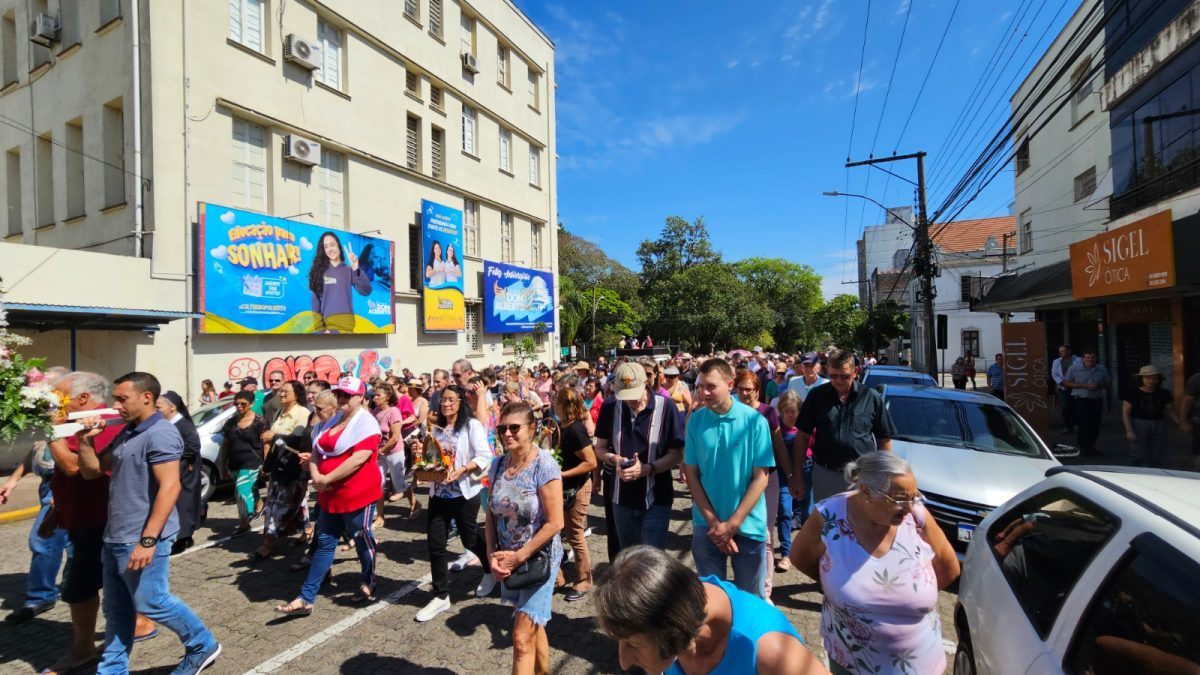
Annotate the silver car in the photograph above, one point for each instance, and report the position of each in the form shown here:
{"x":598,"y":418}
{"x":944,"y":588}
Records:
{"x":209,"y":420}
{"x":969,"y":450}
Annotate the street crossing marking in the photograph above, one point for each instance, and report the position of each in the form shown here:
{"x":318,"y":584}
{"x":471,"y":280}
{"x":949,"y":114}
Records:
{"x":283,"y":658}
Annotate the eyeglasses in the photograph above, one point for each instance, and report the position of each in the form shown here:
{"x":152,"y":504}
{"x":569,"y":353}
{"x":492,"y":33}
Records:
{"x":510,"y":429}
{"x":276,"y":381}
{"x":747,"y":390}
{"x":901,"y":503}
{"x":841,"y":376}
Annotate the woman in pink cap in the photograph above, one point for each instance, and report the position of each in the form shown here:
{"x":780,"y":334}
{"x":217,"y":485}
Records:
{"x":345,"y":474}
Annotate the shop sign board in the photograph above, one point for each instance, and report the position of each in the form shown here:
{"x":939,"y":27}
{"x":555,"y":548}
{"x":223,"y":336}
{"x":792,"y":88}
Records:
{"x":442,"y":268}
{"x":1137,"y":257}
{"x":1027,"y":372}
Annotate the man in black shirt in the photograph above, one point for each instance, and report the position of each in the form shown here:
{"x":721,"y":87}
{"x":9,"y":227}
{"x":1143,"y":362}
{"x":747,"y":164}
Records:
{"x":848,"y":419}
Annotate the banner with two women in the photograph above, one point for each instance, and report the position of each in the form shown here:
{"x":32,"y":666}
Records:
{"x":442,"y":267}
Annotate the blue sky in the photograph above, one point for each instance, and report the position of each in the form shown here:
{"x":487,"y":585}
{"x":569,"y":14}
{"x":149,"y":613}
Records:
{"x":741,"y":113}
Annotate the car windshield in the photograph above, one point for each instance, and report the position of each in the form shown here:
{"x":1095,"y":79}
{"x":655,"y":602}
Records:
{"x":987,"y":427}
{"x":205,"y":414}
{"x":876,"y":380}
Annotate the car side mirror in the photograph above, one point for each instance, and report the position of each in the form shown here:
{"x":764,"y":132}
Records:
{"x":1061,"y":450}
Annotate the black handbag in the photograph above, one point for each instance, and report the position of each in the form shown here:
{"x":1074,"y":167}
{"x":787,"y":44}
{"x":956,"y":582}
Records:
{"x":569,"y":498}
{"x":532,"y":572}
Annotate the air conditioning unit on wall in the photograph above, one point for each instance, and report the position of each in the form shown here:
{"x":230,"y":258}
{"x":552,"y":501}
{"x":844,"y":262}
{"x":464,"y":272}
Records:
{"x":302,"y":52}
{"x":301,"y":150}
{"x":470,"y":63}
{"x":44,"y":30}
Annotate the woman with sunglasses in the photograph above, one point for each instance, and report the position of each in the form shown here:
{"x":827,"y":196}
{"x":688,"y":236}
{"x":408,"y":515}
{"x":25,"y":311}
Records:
{"x":242,"y":447}
{"x":393,"y":413}
{"x":524,"y":517}
{"x":285,"y":508}
{"x":345,"y":474}
{"x":456,"y":498}
{"x":879,"y":529}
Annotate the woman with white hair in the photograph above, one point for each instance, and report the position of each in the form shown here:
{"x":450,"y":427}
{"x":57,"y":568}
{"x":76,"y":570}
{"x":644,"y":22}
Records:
{"x":881,"y":560}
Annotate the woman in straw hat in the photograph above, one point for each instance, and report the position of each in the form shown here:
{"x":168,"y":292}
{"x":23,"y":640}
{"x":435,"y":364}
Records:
{"x":1145,"y":410}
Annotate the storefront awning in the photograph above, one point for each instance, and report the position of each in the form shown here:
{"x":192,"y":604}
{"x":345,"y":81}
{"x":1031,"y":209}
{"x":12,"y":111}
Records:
{"x":41,"y":318}
{"x":1040,"y":288}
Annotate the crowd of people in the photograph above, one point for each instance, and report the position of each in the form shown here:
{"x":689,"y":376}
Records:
{"x":785,"y":458}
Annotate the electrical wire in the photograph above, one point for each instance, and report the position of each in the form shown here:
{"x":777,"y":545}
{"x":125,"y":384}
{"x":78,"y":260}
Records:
{"x":928,"y":72}
{"x":862,"y":59}
{"x":891,"y":78}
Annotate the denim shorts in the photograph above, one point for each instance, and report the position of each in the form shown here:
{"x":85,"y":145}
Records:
{"x":535,"y":602}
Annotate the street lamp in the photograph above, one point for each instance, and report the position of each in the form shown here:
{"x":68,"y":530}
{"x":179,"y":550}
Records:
{"x":835,"y":193}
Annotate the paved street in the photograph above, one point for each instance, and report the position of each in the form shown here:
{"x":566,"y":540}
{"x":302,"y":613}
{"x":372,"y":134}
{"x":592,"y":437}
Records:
{"x":235,"y":598}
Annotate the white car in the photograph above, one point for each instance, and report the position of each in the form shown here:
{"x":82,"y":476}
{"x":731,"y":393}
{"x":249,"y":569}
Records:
{"x":969,"y":451}
{"x":1093,"y":570}
{"x":208,"y":420}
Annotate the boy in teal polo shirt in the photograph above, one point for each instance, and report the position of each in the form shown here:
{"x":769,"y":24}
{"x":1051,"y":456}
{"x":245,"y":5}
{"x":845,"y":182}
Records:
{"x":726,"y":455}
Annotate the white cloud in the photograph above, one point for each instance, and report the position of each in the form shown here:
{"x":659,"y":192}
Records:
{"x":733,"y":64}
{"x":220,"y":253}
{"x":903,"y":8}
{"x":227,"y":217}
{"x":687,"y":129}
{"x":305,"y":244}
{"x":293,"y":270}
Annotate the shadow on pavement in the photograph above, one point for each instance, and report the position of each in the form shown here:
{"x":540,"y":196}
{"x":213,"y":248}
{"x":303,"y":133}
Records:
{"x":28,"y":641}
{"x":376,"y":663}
{"x":789,"y":596}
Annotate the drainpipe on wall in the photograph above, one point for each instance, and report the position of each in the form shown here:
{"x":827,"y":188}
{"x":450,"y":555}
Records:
{"x":138,"y":201}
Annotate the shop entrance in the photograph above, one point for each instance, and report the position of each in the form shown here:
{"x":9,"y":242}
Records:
{"x":1133,"y":352}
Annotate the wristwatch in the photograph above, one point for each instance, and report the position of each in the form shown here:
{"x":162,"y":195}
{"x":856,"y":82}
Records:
{"x":149,"y":542}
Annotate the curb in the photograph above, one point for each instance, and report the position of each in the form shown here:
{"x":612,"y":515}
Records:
{"x":19,"y":514}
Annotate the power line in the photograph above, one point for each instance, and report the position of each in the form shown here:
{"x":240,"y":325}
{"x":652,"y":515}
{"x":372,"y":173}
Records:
{"x":858,"y":80}
{"x":891,"y":78}
{"x":10,"y":122}
{"x":928,"y":72}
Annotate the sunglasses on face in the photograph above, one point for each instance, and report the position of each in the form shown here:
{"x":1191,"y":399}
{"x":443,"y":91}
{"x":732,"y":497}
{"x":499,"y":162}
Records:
{"x":511,"y":429}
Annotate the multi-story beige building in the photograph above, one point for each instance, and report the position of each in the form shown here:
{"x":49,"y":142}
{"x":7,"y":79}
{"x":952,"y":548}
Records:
{"x":117,"y":119}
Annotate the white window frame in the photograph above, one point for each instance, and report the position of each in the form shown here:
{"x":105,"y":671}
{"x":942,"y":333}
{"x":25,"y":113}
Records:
{"x":535,"y":244}
{"x":534,"y":89}
{"x":506,"y":237}
{"x":535,"y":160}
{"x":244,"y":161}
{"x":331,"y":184}
{"x":503,"y":68}
{"x":473,"y":327}
{"x":241,"y":17}
{"x":470,"y":119}
{"x":505,"y":150}
{"x":412,"y":10}
{"x":330,"y":72}
{"x":437,"y":152}
{"x":436,"y":18}
{"x":1025,"y":223}
{"x":466,"y":34}
{"x":471,"y":227}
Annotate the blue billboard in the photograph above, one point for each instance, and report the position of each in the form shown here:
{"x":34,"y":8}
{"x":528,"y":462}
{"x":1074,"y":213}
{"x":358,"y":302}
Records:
{"x":516,"y":299}
{"x":260,"y":274}
{"x":441,"y":257}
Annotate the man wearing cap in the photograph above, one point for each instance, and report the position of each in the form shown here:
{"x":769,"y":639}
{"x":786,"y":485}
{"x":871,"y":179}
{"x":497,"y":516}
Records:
{"x":809,"y":377}
{"x":1087,"y":381}
{"x":727,"y":455}
{"x":639,"y":438}
{"x":845,"y":420}
{"x":250,"y":384}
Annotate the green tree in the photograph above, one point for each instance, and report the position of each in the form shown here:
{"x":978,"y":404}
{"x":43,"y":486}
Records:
{"x":525,"y":349}
{"x":574,"y":307}
{"x":791,"y":291}
{"x":680,"y":246}
{"x":614,"y":320}
{"x":704,"y":306}
{"x":838,"y":321}
{"x":588,"y":266}
{"x":882,"y":323}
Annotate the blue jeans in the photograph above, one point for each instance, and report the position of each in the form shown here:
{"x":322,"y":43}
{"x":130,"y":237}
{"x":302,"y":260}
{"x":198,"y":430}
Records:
{"x":802,"y":504}
{"x":145,"y":592}
{"x":1150,"y":448}
{"x":330,"y":527}
{"x":647,"y":527}
{"x":749,"y":563}
{"x":783,"y":520}
{"x":42,"y":584}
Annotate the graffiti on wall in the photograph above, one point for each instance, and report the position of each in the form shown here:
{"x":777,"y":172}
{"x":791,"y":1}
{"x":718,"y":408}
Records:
{"x":366,"y":365}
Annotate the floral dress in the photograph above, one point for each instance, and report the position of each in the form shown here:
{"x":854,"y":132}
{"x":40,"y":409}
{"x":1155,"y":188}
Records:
{"x":880,"y":614}
{"x":518,"y":514}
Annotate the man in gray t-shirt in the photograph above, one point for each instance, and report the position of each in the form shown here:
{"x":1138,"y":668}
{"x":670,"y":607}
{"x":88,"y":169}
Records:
{"x":142,"y":524}
{"x":1088,"y":381}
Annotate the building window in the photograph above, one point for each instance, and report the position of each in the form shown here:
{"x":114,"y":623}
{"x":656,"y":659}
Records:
{"x":74,"y":155}
{"x":505,"y":147}
{"x":468,"y":130}
{"x":535,"y":244}
{"x":332,"y":182}
{"x":474,"y":310}
{"x":471,"y":227}
{"x":1022,"y":157}
{"x":68,"y":21}
{"x":964,"y":287}
{"x":43,"y":159}
{"x":330,"y":73}
{"x":1083,"y":84}
{"x":412,"y":83}
{"x":113,"y":141}
{"x":466,"y":36}
{"x":8,"y":45}
{"x":970,"y":342}
{"x":1026,"y":231}
{"x":1085,"y":184}
{"x":414,"y":257}
{"x":412,"y":9}
{"x":435,"y":17}
{"x":12,"y":176}
{"x":38,"y":55}
{"x":110,"y":10}
{"x":534,"y":98}
{"x":246,"y":23}
{"x":436,"y":98}
{"x":412,"y":156}
{"x":250,"y":165}
{"x":506,"y":237}
{"x":535,"y":158}
{"x":502,"y":69}
{"x":437,"y":149}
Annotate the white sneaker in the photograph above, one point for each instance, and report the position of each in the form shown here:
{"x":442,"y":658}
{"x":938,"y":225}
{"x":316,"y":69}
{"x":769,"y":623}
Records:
{"x":570,"y":555}
{"x":436,"y":606}
{"x":486,"y":585}
{"x":463,"y":561}
{"x":587,"y":532}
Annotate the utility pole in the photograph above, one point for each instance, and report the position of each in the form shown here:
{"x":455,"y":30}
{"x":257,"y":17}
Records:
{"x":922,"y":258}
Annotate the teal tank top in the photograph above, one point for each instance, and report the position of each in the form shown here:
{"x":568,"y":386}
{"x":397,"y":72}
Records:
{"x":752,"y":619}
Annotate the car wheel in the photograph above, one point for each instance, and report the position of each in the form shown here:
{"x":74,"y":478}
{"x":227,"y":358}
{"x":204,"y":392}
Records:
{"x":964,"y":659}
{"x":208,"y":484}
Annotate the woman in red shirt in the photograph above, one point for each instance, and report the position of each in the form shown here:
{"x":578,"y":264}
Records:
{"x":345,"y":474}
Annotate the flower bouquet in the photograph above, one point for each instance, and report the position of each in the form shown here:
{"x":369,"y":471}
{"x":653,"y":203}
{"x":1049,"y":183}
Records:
{"x":27,"y":400}
{"x":435,"y":463}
